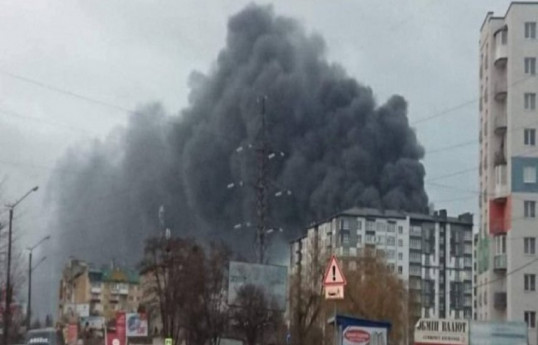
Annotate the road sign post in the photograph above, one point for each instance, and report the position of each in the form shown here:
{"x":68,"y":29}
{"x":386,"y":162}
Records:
{"x":334,"y":283}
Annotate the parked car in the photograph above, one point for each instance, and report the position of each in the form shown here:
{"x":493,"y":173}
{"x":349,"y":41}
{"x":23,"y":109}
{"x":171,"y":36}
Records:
{"x":44,"y":336}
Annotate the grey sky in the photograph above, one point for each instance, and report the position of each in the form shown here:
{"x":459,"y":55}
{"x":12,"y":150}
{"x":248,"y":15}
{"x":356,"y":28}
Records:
{"x":130,"y":52}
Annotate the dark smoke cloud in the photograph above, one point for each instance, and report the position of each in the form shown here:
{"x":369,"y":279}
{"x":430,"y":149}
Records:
{"x":341,"y":150}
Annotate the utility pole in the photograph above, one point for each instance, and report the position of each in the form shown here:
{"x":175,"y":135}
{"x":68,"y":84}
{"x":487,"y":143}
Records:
{"x":7,"y":305}
{"x":30,"y":270}
{"x":29,"y":306}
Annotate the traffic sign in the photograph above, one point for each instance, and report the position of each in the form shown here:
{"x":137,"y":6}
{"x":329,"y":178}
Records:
{"x":333,"y":274}
{"x":168,"y":341}
{"x":334,"y":292}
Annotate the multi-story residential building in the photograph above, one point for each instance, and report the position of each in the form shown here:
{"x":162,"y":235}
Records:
{"x":89,"y":291}
{"x":506,"y":280}
{"x":431,"y":253}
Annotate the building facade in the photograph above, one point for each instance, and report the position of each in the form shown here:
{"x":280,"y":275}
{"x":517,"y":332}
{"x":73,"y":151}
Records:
{"x":432,"y":254}
{"x":87,"y":291}
{"x":508,"y":167}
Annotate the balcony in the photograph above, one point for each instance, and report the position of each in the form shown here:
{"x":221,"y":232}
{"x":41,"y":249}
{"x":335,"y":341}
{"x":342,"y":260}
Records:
{"x":499,"y":300}
{"x":501,"y":55}
{"x":114,"y":299}
{"x":499,"y":263}
{"x":501,"y":185}
{"x":499,"y":158}
{"x":500,"y":124}
{"x":95,"y":289}
{"x":500,"y":90}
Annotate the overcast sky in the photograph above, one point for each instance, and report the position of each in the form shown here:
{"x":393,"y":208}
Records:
{"x":129,"y":52}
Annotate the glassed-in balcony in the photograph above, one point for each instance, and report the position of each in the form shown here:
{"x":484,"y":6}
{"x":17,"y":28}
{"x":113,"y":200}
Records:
{"x":501,"y":185}
{"x":500,"y":124}
{"x":499,"y":300}
{"x":501,"y":48}
{"x":501,"y":89}
{"x":499,"y":262}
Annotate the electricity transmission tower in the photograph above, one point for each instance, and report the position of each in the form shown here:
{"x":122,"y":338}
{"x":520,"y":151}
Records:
{"x":262,"y":185}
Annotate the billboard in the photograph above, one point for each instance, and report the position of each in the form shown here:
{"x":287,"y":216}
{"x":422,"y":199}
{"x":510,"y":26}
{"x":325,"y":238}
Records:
{"x":83,"y":310}
{"x":354,"y":331}
{"x":136,"y":325}
{"x":441,"y":332}
{"x":271,"y":279}
{"x":362,"y":335}
{"x":498,"y":333}
{"x":94,"y":322}
{"x":120,"y":329}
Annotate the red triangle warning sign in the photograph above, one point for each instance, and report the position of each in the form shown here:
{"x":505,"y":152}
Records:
{"x":333,"y":274}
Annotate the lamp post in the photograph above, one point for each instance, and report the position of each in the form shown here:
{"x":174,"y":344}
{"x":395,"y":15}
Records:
{"x":30,"y":269}
{"x":7,"y":306}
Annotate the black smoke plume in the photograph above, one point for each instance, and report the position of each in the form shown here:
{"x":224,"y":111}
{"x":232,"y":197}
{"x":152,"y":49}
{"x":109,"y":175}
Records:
{"x":340,"y":149}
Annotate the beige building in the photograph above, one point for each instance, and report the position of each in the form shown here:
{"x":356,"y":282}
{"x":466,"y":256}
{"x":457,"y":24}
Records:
{"x":86,"y":291}
{"x":432,"y":254}
{"x":505,"y":282}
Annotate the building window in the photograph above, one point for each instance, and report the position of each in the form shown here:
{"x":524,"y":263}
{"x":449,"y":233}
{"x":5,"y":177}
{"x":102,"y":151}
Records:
{"x":529,"y":175}
{"x":400,"y":229}
{"x":530,"y":65}
{"x":359,"y":239}
{"x":345,"y":237}
{"x":370,"y":225}
{"x":381,"y":226}
{"x":530,"y":319}
{"x":530,"y":101}
{"x":530,"y":282}
{"x":400,"y":270}
{"x":359,"y":224}
{"x":344,"y":224}
{"x":400,"y":243}
{"x":391,"y":227}
{"x":400,"y":256}
{"x":529,"y":245}
{"x":530,"y":30}
{"x":529,"y":136}
{"x":391,"y":254}
{"x":529,"y":209}
{"x":391,"y":241}
{"x":500,"y":244}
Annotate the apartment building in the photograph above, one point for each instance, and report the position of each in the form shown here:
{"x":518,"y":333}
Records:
{"x":87,"y":291}
{"x":506,"y":281}
{"x":431,"y":253}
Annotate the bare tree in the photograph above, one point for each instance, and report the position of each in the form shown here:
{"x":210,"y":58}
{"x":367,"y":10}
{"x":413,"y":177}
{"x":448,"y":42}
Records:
{"x":373,"y":292}
{"x":306,"y":297}
{"x":255,"y":317}
{"x":187,"y":289}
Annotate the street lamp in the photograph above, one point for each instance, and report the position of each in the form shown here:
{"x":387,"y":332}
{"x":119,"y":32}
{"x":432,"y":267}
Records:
{"x":30,"y":269}
{"x":7,"y":306}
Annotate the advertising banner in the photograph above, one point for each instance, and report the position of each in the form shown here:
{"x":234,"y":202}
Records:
{"x":137,"y":325}
{"x":498,"y":333}
{"x":441,"y":332}
{"x":361,"y":335}
{"x":121,"y":330}
{"x":72,"y":334}
{"x":354,"y":331}
{"x":271,"y":279}
{"x":83,"y":310}
{"x":93,"y":322}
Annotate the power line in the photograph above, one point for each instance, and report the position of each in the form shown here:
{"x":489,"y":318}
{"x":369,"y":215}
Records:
{"x":66,"y":92}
